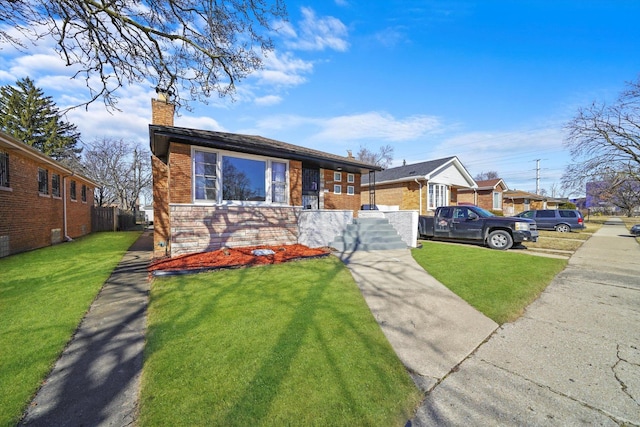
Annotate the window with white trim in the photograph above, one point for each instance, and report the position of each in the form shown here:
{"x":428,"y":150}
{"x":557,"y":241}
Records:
{"x":351,"y":178}
{"x":55,"y":185}
{"x":205,"y":175}
{"x":83,"y":193}
{"x":337,"y":176}
{"x":438,"y":195}
{"x":497,"y":200}
{"x":337,"y":189}
{"x":72,"y":190}
{"x":278,"y":182}
{"x":4,"y":169}
{"x":43,"y":181}
{"x":351,"y":190}
{"x":221,"y":177}
{"x":243,"y":179}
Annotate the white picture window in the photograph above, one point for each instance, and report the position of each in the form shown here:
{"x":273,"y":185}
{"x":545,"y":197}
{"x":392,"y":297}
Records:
{"x":337,"y":189}
{"x":497,"y":200}
{"x":438,"y":195}
{"x":226,"y":177}
{"x":337,"y":176}
{"x":351,"y":190}
{"x":351,"y":178}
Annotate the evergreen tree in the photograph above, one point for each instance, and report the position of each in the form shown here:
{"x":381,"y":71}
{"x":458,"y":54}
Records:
{"x":33,"y":118}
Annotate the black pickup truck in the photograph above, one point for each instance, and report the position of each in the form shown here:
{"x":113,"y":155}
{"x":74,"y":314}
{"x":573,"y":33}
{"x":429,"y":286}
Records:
{"x":474,"y":224}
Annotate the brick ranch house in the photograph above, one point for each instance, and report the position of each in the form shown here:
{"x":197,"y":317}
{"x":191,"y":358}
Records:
{"x":420,"y":186}
{"x":216,"y":189}
{"x":488,"y":195}
{"x":42,"y":202}
{"x":516,"y":201}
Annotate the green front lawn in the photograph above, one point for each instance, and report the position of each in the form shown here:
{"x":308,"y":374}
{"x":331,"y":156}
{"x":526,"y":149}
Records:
{"x":289,"y":344}
{"x":43,"y":296}
{"x":499,"y":284}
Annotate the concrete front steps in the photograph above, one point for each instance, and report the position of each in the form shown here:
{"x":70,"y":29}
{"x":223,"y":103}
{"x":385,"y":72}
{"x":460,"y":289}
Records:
{"x":368,"y":234}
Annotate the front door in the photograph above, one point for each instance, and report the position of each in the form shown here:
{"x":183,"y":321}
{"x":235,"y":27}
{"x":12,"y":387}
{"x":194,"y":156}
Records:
{"x":310,"y":188}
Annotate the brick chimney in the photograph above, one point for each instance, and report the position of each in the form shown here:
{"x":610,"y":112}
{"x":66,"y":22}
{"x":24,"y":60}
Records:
{"x":162,"y":109}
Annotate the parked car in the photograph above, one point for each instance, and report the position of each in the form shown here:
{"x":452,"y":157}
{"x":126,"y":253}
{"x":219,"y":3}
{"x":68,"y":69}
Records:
{"x":635,"y":230}
{"x":562,"y":220}
{"x":369,"y":207}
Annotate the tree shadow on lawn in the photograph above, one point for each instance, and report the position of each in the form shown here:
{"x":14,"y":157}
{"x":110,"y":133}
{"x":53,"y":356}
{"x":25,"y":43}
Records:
{"x":254,"y":398}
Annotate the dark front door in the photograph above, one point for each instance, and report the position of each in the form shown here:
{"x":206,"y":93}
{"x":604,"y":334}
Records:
{"x":310,"y":188}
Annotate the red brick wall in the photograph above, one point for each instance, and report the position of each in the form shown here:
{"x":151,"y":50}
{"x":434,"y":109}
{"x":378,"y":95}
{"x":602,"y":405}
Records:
{"x":180,"y":173}
{"x":343,"y":200}
{"x":295,"y":183}
{"x":28,"y":218}
{"x":162,"y":113}
{"x":160,"y":172}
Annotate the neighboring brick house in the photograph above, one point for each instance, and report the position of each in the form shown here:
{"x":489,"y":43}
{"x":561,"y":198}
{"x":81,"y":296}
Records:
{"x":215,"y":189}
{"x":516,"y":201}
{"x":42,"y":202}
{"x":419,"y":186}
{"x":488,"y":195}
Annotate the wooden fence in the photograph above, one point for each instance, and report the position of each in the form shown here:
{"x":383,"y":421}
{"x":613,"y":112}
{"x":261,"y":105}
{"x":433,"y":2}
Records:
{"x":111,"y":219}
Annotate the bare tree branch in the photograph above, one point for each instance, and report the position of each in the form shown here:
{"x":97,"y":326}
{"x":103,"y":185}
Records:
{"x":604,"y":140}
{"x":192,"y":48}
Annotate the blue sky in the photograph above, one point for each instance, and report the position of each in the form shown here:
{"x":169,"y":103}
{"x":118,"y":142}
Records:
{"x":492,"y":82}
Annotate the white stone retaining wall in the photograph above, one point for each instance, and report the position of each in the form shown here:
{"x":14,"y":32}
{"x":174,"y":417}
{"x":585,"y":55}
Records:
{"x":319,"y":227}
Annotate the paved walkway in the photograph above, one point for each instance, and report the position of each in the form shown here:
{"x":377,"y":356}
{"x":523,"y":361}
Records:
{"x":96,"y":380}
{"x":430,"y":328}
{"x":572,"y":359}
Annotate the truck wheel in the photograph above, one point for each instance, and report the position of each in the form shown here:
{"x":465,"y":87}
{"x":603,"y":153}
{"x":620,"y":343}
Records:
{"x":500,"y":240}
{"x":563,"y":228}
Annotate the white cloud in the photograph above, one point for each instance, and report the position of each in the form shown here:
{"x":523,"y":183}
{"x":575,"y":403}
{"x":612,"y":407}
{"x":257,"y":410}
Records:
{"x":269,"y":100}
{"x":317,"y":33}
{"x":283,"y":70}
{"x":390,"y":37}
{"x":378,"y":126}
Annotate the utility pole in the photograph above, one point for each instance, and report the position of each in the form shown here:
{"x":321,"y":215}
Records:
{"x":537,"y":176}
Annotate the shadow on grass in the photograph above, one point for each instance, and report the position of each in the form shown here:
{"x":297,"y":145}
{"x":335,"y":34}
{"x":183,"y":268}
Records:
{"x":252,"y":398}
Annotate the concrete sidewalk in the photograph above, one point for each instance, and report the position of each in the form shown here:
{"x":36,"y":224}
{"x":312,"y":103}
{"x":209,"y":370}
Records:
{"x":430,"y":328}
{"x":96,"y":380}
{"x":572,"y":359}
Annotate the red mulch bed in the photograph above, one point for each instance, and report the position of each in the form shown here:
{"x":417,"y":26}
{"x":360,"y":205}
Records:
{"x":236,"y":257}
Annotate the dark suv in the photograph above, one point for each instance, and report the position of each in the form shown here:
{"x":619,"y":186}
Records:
{"x":562,"y":220}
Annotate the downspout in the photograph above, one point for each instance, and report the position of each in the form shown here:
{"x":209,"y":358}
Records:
{"x":419,"y":195}
{"x":64,"y":206}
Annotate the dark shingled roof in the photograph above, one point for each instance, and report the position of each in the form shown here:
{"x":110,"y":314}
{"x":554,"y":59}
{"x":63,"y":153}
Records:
{"x":160,"y":136}
{"x":408,"y":172}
